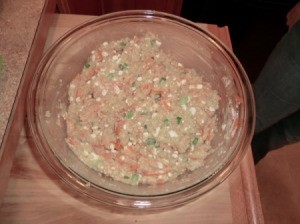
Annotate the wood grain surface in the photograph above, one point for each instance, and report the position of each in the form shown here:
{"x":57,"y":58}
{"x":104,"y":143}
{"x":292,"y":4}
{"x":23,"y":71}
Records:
{"x":36,"y":195}
{"x":32,"y":25}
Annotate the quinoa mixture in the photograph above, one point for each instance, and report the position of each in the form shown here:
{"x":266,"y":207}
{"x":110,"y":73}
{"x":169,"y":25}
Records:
{"x":138,"y":116}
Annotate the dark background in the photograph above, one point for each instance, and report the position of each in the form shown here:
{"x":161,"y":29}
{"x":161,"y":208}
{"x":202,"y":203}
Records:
{"x":255,"y":26}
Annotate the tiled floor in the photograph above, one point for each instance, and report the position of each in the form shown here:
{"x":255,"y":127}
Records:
{"x":278,"y":176}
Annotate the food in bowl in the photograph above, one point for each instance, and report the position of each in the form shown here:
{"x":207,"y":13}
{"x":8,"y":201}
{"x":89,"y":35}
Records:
{"x":210,"y":67}
{"x":137,"y":115}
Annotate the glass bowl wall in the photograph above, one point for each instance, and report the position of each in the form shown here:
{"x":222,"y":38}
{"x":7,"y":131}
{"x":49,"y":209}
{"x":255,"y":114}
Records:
{"x":185,"y":42}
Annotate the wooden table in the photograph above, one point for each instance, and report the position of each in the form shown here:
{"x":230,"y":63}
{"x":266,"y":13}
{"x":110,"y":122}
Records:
{"x":36,"y":195}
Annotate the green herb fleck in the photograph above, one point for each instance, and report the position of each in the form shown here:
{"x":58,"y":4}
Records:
{"x":129,"y":115}
{"x":162,"y":79}
{"x":135,"y":177}
{"x":133,"y":84}
{"x":150,"y":141}
{"x":152,"y":41}
{"x":183,"y":100}
{"x":96,"y":163}
{"x":145,"y":126}
{"x":195,"y":141}
{"x":157,"y":145}
{"x":122,"y":43}
{"x":87,"y":65}
{"x":184,"y":158}
{"x":1,"y":63}
{"x":157,"y":97}
{"x":166,"y":122}
{"x":144,"y":113}
{"x":111,"y":75}
{"x":178,"y":120}
{"x":123,"y":66}
{"x":126,"y":177}
{"x":78,"y":124}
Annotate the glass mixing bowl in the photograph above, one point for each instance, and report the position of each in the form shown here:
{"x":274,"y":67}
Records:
{"x":186,"y":43}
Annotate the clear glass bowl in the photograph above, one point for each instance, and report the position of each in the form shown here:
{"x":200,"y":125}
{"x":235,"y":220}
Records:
{"x":185,"y":42}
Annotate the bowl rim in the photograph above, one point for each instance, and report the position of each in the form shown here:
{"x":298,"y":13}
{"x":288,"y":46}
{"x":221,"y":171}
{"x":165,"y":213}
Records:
{"x":142,"y":201}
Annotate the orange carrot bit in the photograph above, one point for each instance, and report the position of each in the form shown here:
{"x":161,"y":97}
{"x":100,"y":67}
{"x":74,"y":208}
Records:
{"x":206,"y":134}
{"x":83,"y":134}
{"x":79,"y":92}
{"x":134,"y":167}
{"x":103,"y":154}
{"x":159,"y":181}
{"x":236,"y":123}
{"x":100,"y":150}
{"x":90,"y":74}
{"x":132,"y":106}
{"x":146,"y":88}
{"x":125,"y":161}
{"x":157,"y":91}
{"x":118,"y":127}
{"x":201,"y":129}
{"x":70,"y":141}
{"x":118,"y":145}
{"x":238,"y":99}
{"x":198,"y":93}
{"x":132,"y":150}
{"x":127,"y":79}
{"x":71,"y":125}
{"x":155,"y":172}
{"x":206,"y":84}
{"x":97,"y":145}
{"x":78,"y":77}
{"x":209,"y":135}
{"x":100,"y":57}
{"x":166,"y":104}
{"x":193,"y":157}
